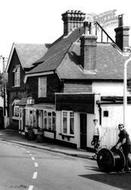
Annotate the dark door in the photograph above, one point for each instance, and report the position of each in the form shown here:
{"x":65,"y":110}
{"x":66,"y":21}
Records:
{"x":83,"y":131}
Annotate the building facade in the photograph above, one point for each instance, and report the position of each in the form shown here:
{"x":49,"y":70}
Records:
{"x":21,"y":59}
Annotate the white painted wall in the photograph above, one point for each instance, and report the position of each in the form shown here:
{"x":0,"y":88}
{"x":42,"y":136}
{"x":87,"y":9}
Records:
{"x":110,"y":123}
{"x":109,"y":133}
{"x":108,"y":88}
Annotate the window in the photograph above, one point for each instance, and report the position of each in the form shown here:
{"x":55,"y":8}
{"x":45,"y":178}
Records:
{"x":53,"y":121}
{"x":30,"y":100}
{"x":16,"y":76}
{"x":42,"y":87}
{"x":71,"y":123}
{"x":49,"y":120}
{"x":40,"y":118}
{"x":15,"y":109}
{"x":106,"y":113}
{"x":68,"y":122}
{"x":45,"y":119}
{"x":65,"y":122}
{"x":31,"y":119}
{"x":27,"y":115}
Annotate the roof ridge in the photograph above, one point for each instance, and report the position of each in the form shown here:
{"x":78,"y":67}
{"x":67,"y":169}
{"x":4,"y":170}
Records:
{"x":21,"y":43}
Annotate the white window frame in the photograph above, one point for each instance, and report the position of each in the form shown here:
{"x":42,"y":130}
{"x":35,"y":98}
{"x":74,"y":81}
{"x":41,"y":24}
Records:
{"x":51,"y":117}
{"x":45,"y":119}
{"x":16,"y":111}
{"x":15,"y":107}
{"x":42,"y":87}
{"x":40,"y":118}
{"x":27,"y":121}
{"x":31,"y":119}
{"x":68,"y":122}
{"x":16,"y":73}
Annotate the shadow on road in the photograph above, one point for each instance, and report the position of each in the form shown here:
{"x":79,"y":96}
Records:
{"x":118,"y":180}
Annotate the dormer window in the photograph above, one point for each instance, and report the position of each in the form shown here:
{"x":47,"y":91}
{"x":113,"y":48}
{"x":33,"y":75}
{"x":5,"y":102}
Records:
{"x":16,"y":76}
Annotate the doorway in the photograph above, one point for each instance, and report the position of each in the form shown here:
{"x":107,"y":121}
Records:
{"x":83,"y":130}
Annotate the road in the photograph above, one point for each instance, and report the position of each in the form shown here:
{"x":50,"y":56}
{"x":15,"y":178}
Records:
{"x":34,"y":169}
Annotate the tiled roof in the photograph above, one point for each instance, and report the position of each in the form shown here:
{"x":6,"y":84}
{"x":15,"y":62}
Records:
{"x":29,"y":53}
{"x":64,"y":57}
{"x":109,"y":64}
{"x":52,"y":59}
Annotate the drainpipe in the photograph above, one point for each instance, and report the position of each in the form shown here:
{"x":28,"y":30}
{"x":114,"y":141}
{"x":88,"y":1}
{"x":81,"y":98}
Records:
{"x":100,"y":112}
{"x":125,"y":91}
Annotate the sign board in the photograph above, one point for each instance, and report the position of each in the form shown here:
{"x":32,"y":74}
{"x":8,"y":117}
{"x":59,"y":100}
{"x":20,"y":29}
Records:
{"x":108,"y":20}
{"x":75,"y":102}
{"x":105,"y":19}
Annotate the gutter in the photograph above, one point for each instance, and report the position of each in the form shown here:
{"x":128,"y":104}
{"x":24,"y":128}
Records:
{"x":37,"y":74}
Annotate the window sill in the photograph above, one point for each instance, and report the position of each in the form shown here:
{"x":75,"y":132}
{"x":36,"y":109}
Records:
{"x":40,"y":97}
{"x":15,"y":86}
{"x":66,"y":136}
{"x":15,"y":118}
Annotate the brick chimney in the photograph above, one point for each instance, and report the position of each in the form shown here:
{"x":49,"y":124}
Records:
{"x":122,"y":34}
{"x":88,"y":47}
{"x":72,"y":19}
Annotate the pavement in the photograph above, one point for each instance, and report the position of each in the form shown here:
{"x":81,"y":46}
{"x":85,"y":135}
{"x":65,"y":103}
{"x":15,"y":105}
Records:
{"x":13,"y":136}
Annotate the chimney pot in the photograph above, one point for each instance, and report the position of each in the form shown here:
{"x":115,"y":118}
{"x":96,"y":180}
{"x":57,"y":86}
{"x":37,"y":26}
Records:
{"x":72,"y":19}
{"x":120,"y":20}
{"x":122,"y":34}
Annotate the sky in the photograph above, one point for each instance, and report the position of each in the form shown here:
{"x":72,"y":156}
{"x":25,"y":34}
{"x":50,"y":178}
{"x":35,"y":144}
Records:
{"x":39,"y":21}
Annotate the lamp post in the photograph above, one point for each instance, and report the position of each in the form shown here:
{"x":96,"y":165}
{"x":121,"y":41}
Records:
{"x":125,"y":90}
{"x":4,"y":86}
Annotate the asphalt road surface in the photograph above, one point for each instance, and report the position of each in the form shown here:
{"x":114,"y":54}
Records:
{"x":34,"y":169}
